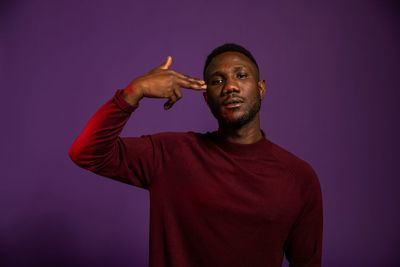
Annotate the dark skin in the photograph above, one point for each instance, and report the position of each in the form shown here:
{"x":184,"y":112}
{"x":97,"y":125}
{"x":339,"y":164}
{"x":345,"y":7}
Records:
{"x":233,"y":89}
{"x":161,"y":82}
{"x":233,"y":92}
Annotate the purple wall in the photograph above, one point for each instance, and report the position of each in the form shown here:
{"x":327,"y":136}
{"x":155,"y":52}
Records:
{"x":332,"y":69}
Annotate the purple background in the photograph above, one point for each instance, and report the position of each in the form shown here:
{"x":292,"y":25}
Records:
{"x":332,"y":69}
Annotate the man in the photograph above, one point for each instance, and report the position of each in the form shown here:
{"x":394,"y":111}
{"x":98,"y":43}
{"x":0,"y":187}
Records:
{"x":226,"y":198}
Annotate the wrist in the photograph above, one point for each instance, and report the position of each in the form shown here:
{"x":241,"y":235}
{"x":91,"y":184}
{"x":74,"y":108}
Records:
{"x":132,"y":94}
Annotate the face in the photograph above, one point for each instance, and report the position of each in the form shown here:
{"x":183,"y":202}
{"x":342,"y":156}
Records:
{"x":234,"y":92}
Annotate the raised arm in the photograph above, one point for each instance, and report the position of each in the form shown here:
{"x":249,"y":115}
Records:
{"x":99,"y":147}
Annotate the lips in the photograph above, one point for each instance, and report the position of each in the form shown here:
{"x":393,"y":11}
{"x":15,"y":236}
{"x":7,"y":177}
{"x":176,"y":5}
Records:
{"x":232,"y":102}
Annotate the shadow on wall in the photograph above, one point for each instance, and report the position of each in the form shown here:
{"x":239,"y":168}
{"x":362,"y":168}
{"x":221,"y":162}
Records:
{"x":5,"y":6}
{"x":50,"y":241}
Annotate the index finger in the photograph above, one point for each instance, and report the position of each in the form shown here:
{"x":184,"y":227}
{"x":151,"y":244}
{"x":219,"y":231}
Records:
{"x":191,"y":83}
{"x":187,"y":77}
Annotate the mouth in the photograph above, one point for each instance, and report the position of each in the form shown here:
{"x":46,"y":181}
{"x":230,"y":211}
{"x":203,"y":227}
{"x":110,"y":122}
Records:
{"x":232,"y":102}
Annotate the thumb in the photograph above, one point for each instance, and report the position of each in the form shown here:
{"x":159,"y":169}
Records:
{"x":167,"y":63}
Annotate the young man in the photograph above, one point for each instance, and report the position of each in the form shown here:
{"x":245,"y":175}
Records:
{"x":226,"y":198}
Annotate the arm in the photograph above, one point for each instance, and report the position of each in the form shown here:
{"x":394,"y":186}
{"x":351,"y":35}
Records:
{"x":100,"y":149}
{"x":304,"y":244}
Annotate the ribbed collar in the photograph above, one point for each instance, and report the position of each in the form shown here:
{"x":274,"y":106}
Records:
{"x":242,"y":150}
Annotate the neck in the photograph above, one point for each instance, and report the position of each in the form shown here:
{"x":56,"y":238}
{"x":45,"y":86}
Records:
{"x":246,"y":134}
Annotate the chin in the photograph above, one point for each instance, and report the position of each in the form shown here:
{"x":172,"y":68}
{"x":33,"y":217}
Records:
{"x":236,"y":122}
{"x":236,"y":117}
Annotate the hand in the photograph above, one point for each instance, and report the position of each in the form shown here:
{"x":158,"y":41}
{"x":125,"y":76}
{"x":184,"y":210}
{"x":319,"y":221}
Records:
{"x":161,"y":82}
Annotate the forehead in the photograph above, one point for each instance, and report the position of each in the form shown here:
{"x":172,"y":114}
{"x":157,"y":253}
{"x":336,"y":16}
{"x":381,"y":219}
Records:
{"x":228,"y":61}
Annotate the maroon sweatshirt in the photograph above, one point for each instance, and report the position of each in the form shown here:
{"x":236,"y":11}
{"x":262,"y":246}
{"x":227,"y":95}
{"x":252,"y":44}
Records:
{"x":212,"y":203}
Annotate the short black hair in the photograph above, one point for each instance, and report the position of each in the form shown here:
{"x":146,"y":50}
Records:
{"x":228,"y":47}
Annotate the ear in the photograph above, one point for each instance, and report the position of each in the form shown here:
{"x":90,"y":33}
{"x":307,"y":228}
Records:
{"x":262,"y":87}
{"x":205,"y":97}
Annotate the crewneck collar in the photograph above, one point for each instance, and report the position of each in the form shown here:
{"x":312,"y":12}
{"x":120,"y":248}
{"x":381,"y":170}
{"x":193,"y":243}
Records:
{"x":242,"y":150}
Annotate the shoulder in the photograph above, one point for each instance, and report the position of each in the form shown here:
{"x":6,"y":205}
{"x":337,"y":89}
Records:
{"x":303,"y":175}
{"x":300,"y":169}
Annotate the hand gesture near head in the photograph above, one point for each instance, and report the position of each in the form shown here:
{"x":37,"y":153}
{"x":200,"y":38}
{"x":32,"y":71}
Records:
{"x":161,"y":82}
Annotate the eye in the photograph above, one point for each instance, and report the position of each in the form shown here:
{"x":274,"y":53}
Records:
{"x":216,"y":81}
{"x":242,"y":75}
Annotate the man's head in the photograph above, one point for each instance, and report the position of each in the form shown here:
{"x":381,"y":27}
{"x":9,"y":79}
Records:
{"x":229,"y":47}
{"x":234,"y":91}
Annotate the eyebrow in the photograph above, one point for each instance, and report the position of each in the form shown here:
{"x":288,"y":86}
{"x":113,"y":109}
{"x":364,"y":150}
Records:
{"x":219,"y":73}
{"x":216,"y":73}
{"x":239,"y":68}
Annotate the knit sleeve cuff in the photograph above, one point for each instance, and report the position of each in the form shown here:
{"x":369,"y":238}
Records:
{"x":122,"y":104}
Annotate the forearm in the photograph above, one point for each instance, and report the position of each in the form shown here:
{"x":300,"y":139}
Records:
{"x":98,"y":143}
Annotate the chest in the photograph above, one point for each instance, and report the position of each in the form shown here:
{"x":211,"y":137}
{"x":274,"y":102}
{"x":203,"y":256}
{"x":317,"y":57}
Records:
{"x":220,"y":187}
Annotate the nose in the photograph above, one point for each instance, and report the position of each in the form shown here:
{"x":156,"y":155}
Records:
{"x":230,"y":86}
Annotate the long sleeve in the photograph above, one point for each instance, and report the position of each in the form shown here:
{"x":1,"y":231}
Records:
{"x":304,"y":244}
{"x":100,"y":149}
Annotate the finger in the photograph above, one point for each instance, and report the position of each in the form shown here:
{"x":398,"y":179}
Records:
{"x":187,"y":77}
{"x":174,"y":98}
{"x":171,"y":101}
{"x":167,"y":63}
{"x":190,"y":84}
{"x":178,"y":93}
